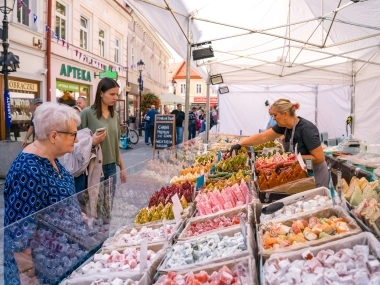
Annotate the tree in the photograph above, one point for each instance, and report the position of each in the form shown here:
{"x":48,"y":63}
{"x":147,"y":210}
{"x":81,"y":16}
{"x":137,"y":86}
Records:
{"x":149,"y":99}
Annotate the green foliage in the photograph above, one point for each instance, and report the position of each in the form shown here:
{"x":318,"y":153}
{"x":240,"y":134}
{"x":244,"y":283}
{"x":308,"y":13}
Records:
{"x":148,"y":100}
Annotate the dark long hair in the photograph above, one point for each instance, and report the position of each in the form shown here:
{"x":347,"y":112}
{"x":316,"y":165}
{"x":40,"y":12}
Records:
{"x":104,"y":85}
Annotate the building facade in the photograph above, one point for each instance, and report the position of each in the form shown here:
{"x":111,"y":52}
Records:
{"x":198,"y":86}
{"x":86,"y":37}
{"x":29,"y":82}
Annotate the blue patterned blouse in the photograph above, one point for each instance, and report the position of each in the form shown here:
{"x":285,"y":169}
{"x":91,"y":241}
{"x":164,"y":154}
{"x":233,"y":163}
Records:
{"x":31,"y":185}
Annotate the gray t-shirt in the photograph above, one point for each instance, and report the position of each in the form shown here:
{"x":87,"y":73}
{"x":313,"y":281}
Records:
{"x":306,"y":135}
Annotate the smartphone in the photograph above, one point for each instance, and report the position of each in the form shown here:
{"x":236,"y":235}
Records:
{"x":100,"y":131}
{"x":309,"y":167}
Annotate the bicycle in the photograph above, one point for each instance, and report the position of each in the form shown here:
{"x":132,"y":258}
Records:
{"x":128,"y":132}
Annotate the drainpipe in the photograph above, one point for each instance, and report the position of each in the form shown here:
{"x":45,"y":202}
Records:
{"x":48,"y":50}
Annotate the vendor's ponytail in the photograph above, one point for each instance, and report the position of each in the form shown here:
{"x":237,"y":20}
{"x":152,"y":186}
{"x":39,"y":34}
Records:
{"x":284,"y":105}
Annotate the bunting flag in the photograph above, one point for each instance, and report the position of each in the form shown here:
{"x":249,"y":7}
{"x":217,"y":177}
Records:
{"x":80,"y":55}
{"x":29,"y":11}
{"x":67,"y":46}
{"x":63,"y":42}
{"x":34,"y":18}
{"x":58,"y":38}
{"x":76,"y":52}
{"x":47,"y":28}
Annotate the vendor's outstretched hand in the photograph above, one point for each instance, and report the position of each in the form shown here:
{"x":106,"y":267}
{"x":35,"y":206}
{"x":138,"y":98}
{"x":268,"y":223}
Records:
{"x":236,"y":148}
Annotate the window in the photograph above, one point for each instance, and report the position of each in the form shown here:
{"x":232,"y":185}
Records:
{"x":198,"y":88}
{"x":22,"y":14}
{"x":183,"y":88}
{"x":117,"y":51}
{"x":132,"y":56}
{"x":102,"y":40}
{"x":60,"y":20}
{"x":83,"y":36}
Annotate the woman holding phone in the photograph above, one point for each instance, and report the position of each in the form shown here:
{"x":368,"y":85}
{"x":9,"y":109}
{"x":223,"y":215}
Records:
{"x":103,"y":121}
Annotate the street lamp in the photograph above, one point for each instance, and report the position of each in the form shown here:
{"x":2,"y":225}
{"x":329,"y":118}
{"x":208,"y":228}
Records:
{"x":174,"y":85}
{"x":140,"y":68}
{"x":6,"y":6}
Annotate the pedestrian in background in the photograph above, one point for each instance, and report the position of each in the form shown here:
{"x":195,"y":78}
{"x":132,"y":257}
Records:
{"x":146,"y":126}
{"x":152,"y":116}
{"x":102,"y":115}
{"x":81,"y":102}
{"x":37,"y":102}
{"x":192,"y":123}
{"x":166,"y":110}
{"x":179,"y":118}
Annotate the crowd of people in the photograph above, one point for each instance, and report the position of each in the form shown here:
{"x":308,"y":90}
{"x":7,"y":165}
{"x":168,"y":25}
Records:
{"x":196,"y":125}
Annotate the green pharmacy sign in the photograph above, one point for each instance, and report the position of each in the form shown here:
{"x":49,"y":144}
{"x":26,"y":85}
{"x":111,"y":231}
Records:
{"x":74,"y":72}
{"x":108,"y":73}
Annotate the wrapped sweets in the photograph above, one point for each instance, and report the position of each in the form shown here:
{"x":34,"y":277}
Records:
{"x":278,"y":235}
{"x":116,"y":261}
{"x":345,"y":267}
{"x":205,"y":248}
{"x":230,"y":197}
{"x":298,"y":207}
{"x":236,"y":276}
{"x":213,"y":224}
{"x":134,"y":237}
{"x":115,"y":281}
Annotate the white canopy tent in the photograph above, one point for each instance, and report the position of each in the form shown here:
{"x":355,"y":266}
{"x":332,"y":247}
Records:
{"x":171,"y":99}
{"x":324,"y":46}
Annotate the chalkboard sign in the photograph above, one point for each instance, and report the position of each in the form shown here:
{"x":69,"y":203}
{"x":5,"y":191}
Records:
{"x":164,"y":128}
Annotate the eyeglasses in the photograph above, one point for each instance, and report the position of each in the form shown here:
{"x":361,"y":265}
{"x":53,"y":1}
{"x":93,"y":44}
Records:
{"x":73,"y":134}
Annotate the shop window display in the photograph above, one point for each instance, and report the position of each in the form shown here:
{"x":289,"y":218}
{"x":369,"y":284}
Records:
{"x":70,"y":94}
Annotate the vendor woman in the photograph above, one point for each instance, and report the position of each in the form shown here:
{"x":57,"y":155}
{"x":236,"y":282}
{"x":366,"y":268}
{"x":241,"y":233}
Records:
{"x":297,"y":131}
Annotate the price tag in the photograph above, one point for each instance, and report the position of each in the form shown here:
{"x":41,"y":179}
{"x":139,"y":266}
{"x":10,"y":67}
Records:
{"x":243,"y":229}
{"x":177,"y":213}
{"x":205,"y":147}
{"x":339,"y":185}
{"x":176,"y":201}
{"x":143,"y":255}
{"x":200,"y":182}
{"x":165,"y":229}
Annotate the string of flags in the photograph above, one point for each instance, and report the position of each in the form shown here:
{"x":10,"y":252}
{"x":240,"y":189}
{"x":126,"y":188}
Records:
{"x":81,"y":56}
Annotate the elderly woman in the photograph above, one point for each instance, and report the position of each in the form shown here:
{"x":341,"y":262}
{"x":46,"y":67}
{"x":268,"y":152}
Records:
{"x":36,"y":179}
{"x":297,"y":132}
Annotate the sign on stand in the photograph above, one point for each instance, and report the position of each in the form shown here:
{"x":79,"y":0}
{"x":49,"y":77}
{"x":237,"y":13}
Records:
{"x":164,"y":132}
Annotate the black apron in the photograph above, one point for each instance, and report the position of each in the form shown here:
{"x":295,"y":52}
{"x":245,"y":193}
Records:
{"x":321,"y":172}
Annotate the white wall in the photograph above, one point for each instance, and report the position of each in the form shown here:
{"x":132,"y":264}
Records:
{"x":244,"y":107}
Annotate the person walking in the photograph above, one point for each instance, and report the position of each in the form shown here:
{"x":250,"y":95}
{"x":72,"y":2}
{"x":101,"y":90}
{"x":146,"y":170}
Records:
{"x":101,"y":115}
{"x":179,"y":118}
{"x":192,"y":123}
{"x":152,"y":115}
{"x":37,"y":102}
{"x":146,"y":126}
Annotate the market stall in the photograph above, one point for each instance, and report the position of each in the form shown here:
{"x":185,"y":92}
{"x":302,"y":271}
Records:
{"x":195,"y":215}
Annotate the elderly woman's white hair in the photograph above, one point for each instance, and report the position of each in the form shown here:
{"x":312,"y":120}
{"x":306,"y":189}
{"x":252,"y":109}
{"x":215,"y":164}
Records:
{"x":53,"y":117}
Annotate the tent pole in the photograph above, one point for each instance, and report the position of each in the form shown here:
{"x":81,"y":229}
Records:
{"x":175,"y":18}
{"x":353,"y":97}
{"x":367,"y":61}
{"x":208,"y":121}
{"x":340,"y":54}
{"x":187,"y":97}
{"x":332,"y":22}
